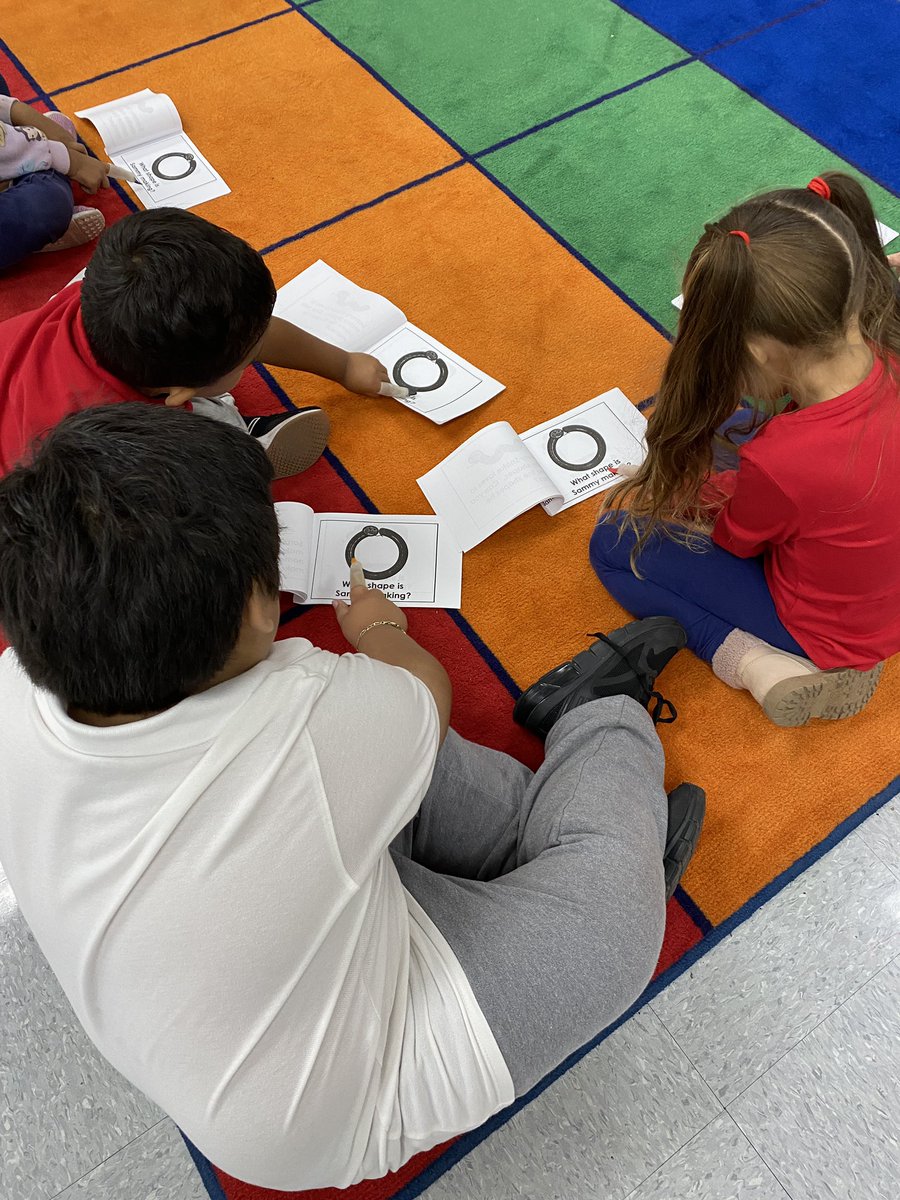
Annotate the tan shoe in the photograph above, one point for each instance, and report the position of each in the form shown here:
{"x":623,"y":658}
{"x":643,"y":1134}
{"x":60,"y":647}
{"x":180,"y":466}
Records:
{"x":827,"y":695}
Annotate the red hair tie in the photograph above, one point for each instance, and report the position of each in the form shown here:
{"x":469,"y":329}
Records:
{"x":820,"y":187}
{"x":739,"y":233}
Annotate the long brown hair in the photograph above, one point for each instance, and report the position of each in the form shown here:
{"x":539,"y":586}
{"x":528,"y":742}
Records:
{"x":791,"y":265}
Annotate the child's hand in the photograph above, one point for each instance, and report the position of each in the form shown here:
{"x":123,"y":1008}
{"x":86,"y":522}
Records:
{"x":91,"y":174}
{"x":894,"y":261}
{"x":625,"y":470}
{"x":364,"y":374}
{"x":366,"y":606}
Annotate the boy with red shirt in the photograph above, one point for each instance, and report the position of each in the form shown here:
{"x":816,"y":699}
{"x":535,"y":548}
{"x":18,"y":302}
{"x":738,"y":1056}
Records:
{"x":171,"y":311}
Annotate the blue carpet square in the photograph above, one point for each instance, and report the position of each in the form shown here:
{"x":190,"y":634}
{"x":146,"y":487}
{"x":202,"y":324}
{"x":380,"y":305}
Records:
{"x":699,"y":25}
{"x":833,"y":72}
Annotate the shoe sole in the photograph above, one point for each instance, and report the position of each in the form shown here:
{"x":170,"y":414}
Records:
{"x":687,"y":808}
{"x":827,"y":695}
{"x":598,"y":657}
{"x":298,"y":444}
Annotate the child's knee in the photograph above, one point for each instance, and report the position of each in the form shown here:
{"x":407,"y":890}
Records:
{"x":53,"y":205}
{"x":610,"y":549}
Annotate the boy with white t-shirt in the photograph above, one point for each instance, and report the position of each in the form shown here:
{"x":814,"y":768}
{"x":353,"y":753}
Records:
{"x":316,"y":926}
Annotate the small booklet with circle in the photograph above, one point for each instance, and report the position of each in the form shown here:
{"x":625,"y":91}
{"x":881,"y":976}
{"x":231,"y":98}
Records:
{"x":439,"y":384}
{"x":413,"y":559}
{"x":143,"y":133}
{"x":497,"y":473}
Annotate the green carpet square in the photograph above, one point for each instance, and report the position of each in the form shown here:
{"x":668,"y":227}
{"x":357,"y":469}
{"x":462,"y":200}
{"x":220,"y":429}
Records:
{"x":484,"y":71}
{"x":631,"y":182}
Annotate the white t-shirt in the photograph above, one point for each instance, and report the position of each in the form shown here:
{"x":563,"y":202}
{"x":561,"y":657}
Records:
{"x":213,"y":889}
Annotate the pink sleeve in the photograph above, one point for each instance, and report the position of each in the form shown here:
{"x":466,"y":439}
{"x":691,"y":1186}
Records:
{"x":758,"y":514}
{"x":24,"y":150}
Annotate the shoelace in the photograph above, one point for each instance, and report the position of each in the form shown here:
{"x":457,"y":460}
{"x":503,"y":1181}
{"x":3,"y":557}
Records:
{"x":662,"y":711}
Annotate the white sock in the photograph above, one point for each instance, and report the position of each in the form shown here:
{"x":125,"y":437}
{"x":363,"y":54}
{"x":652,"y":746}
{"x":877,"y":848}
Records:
{"x":747,"y":662}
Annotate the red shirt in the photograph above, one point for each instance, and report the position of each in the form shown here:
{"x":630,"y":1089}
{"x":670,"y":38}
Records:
{"x":47,"y":370}
{"x":818,"y":494}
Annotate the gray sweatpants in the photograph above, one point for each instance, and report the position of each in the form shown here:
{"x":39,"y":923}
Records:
{"x":219,"y":408}
{"x":548,"y":886}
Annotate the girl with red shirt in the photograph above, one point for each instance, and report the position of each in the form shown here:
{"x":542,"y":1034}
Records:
{"x":786,"y":572}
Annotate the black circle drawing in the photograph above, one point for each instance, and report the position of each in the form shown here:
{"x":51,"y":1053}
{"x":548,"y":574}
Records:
{"x":432,"y":357}
{"x":190,"y":165}
{"x":556,"y":434}
{"x":374,"y":531}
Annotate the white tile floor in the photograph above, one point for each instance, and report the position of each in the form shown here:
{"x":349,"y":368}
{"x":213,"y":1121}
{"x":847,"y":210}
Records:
{"x":769,"y":1071}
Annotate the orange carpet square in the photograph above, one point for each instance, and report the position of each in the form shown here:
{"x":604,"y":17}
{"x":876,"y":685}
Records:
{"x":298,"y":130}
{"x":119,"y":33}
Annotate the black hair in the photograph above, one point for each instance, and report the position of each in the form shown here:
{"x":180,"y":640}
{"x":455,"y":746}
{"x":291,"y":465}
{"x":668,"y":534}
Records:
{"x":170,"y":300}
{"x":130,"y":545}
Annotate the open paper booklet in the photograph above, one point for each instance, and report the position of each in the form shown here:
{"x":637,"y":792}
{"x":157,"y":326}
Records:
{"x":884,"y":232}
{"x":414,"y":560}
{"x":498,"y":473}
{"x":441,"y":385}
{"x":143,"y":133}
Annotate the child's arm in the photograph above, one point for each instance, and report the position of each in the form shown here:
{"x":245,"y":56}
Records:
{"x":23,"y":155}
{"x":44,"y":146}
{"x":758,"y":514}
{"x":24,"y":114}
{"x":389,"y":644}
{"x":286,"y":345}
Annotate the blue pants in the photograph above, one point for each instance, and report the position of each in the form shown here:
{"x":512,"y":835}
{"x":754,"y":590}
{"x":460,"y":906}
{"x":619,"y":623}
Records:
{"x":34,"y":210}
{"x":709,"y":593}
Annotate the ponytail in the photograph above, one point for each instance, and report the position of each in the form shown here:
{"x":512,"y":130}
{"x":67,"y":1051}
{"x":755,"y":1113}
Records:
{"x":704,"y":380}
{"x":879,"y":318}
{"x":850,"y":197}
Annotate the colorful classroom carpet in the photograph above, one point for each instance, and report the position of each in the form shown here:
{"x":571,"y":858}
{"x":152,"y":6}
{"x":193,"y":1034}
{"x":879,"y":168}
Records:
{"x":525,"y":179}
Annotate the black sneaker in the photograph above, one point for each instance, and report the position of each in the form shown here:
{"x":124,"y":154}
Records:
{"x":687,"y":808}
{"x":293,"y":441}
{"x":625,"y":663}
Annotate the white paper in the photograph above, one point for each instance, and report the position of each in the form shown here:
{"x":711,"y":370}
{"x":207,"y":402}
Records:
{"x":486,"y":482}
{"x":885,"y":233}
{"x":295,"y":524}
{"x":329,"y":306}
{"x":441,"y":385}
{"x":194,"y":180}
{"x":605,"y":432}
{"x":414,"y":560}
{"x":143,"y":133}
{"x":133,"y":120}
{"x":497,"y":473}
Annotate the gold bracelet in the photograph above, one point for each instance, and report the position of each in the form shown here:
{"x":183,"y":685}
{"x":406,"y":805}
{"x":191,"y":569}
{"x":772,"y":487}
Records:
{"x":375,"y":625}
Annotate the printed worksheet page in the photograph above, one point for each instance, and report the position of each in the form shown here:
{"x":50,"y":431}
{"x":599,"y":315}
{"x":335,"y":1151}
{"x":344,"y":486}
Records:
{"x":414,"y":560}
{"x":439,"y":384}
{"x":143,"y":133}
{"x":295,"y":524}
{"x":426,"y":376}
{"x":577,"y":449}
{"x":484,"y":483}
{"x":329,"y":306}
{"x":132,"y":120}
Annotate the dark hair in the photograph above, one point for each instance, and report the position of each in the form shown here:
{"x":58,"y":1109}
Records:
{"x":170,"y":300}
{"x":790,"y":265}
{"x":130,"y":545}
